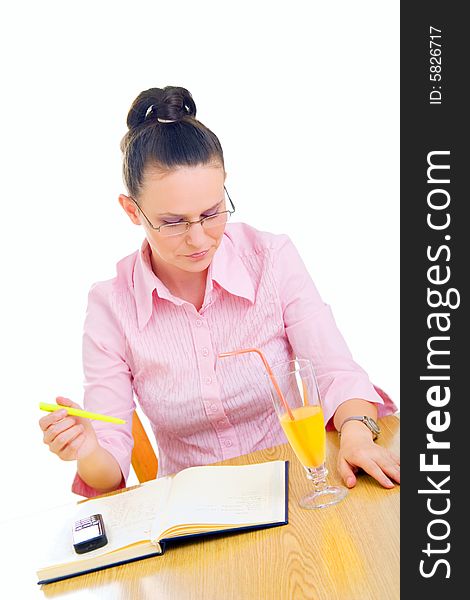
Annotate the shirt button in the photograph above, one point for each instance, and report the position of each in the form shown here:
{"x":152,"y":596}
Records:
{"x":213,"y":408}
{"x":221,"y":423}
{"x":205,"y":352}
{"x":198,"y":323}
{"x":227,"y":443}
{"x":208,"y":380}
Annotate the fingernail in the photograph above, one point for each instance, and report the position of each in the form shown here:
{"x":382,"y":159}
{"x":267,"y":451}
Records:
{"x":350,"y":481}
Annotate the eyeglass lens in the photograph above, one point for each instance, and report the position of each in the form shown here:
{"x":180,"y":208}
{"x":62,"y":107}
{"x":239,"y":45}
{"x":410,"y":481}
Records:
{"x":207,"y":223}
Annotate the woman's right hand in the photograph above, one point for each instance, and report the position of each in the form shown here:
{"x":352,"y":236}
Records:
{"x":71,"y":438}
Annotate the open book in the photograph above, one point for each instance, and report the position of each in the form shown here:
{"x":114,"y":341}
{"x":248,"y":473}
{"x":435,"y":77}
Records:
{"x":196,"y":501}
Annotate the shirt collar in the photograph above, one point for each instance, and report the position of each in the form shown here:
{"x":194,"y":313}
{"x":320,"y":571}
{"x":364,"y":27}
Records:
{"x":229,"y":271}
{"x":226,"y":268}
{"x":145,"y":282}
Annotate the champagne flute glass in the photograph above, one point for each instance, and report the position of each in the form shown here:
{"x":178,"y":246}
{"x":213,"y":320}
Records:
{"x":304,"y":426}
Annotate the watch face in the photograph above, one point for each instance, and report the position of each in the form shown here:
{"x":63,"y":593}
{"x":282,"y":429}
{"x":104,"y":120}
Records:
{"x":372,"y":424}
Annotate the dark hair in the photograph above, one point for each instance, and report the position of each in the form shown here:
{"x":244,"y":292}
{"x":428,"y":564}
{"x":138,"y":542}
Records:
{"x":150,"y":141}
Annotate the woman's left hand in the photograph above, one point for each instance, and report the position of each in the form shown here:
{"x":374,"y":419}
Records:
{"x":359,"y":451}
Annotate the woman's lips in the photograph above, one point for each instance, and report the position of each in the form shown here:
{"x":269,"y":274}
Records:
{"x":197,"y":255}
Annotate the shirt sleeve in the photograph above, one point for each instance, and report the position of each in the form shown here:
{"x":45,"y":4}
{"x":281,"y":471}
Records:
{"x":108,"y":382}
{"x":312,"y":332}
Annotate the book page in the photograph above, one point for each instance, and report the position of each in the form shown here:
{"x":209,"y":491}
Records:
{"x":225,"y":495}
{"x":127,"y":517}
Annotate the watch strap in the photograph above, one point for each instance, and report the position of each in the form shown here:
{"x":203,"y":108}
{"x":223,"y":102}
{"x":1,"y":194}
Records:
{"x":369,"y":422}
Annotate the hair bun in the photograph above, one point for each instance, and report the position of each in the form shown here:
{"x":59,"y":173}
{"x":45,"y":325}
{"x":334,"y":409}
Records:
{"x":168,"y":104}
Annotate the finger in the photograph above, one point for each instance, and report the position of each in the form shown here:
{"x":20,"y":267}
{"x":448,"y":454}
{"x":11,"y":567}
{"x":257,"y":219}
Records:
{"x":57,"y":428}
{"x":66,"y":402}
{"x":346,"y":472}
{"x":62,"y":441}
{"x":70,"y":451}
{"x":392,"y":470}
{"x":373,"y":469}
{"x":65,"y":438}
{"x":51,"y":418}
{"x":390,"y":464}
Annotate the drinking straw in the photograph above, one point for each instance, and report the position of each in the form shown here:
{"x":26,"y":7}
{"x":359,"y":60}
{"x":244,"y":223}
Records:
{"x":268,"y":369}
{"x":305,"y":393}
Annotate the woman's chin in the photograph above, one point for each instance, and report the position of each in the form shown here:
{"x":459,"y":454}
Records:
{"x":195,"y":267}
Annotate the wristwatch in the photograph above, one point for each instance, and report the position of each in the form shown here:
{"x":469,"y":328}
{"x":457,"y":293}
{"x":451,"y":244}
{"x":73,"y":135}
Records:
{"x":368,"y":422}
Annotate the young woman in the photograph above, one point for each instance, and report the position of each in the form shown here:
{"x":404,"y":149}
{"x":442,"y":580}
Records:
{"x":197,"y":287}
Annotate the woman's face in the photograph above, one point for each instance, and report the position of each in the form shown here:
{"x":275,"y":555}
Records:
{"x":184,"y":194}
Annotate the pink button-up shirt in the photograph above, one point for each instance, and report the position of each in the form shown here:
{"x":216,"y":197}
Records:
{"x":142,"y":342}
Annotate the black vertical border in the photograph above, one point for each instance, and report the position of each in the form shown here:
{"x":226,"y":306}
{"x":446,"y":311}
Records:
{"x":425,"y":128}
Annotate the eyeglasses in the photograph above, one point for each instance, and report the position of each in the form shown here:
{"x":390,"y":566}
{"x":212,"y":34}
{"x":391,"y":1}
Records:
{"x":180,"y":228}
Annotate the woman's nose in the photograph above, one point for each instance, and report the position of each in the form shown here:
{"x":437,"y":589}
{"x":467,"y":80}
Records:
{"x":196,"y":236}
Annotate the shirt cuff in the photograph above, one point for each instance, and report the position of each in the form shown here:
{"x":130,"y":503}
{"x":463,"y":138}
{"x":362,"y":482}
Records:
{"x":83,"y":489}
{"x":366,"y":391}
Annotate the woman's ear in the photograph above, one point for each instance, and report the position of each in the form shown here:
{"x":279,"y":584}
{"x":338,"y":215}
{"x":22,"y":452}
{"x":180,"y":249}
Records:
{"x":130,"y":208}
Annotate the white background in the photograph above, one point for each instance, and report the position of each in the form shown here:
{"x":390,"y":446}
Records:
{"x":304,"y":97}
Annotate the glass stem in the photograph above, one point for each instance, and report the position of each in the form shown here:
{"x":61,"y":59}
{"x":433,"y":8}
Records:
{"x":318,"y":476}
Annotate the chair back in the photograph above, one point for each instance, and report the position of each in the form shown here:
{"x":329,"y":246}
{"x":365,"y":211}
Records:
{"x":144,"y":460}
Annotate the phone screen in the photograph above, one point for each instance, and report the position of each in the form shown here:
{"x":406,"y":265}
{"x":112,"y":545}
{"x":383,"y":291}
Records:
{"x":87,"y":533}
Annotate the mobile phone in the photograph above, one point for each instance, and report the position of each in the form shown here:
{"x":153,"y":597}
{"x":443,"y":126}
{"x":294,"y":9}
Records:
{"x":89,"y":534}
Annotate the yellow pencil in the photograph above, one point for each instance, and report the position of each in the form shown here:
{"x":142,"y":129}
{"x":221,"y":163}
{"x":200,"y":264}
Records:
{"x":75,"y":412}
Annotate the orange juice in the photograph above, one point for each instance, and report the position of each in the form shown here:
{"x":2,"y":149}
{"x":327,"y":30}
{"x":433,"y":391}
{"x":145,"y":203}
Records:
{"x":306,"y":434}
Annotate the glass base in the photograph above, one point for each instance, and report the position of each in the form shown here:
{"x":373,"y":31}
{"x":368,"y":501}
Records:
{"x":322,"y":493}
{"x":325,"y":497}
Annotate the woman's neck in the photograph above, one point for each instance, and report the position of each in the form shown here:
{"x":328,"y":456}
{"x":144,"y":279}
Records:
{"x":184,"y":284}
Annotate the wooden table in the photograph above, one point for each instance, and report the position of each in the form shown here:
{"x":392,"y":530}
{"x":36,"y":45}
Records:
{"x":349,"y":551}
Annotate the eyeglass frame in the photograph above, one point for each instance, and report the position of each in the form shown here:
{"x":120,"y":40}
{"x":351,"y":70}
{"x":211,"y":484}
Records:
{"x":188,"y":223}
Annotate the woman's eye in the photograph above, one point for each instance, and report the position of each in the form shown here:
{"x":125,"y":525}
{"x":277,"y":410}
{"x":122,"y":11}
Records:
{"x":172,"y":222}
